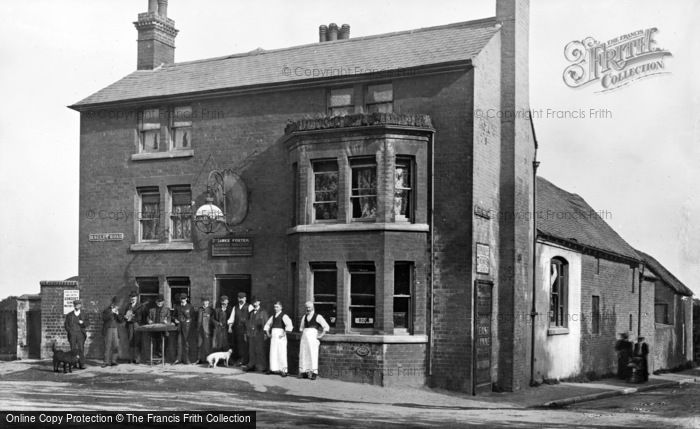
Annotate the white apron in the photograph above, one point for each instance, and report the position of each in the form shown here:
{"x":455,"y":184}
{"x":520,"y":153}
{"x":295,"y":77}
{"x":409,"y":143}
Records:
{"x":278,"y":350}
{"x":308,"y":351}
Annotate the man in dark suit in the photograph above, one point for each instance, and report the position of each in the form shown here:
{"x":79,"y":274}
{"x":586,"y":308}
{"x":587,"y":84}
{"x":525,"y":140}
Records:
{"x":221,"y":315}
{"x":641,"y":351}
{"x":133,"y":313}
{"x":255,"y":330}
{"x":237,"y":324}
{"x":184,"y":313}
{"x":624,"y":354}
{"x":76,"y":323}
{"x":110,"y":331}
{"x":158,"y":315}
{"x":204,"y":330}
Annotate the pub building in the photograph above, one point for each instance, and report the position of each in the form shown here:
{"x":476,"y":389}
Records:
{"x":378,"y":192}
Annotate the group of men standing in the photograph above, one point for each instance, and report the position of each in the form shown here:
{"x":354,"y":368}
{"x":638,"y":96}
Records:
{"x":243,"y":329}
{"x":632,"y":356}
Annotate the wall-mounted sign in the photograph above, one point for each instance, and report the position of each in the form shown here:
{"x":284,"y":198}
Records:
{"x":69,"y":295}
{"x":362,"y":351}
{"x":482,"y":258}
{"x":482,"y":212}
{"x":232,"y":246}
{"x":106,"y":236}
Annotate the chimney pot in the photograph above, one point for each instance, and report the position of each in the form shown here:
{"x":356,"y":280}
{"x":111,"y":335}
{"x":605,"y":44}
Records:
{"x":344,"y":32}
{"x":152,"y":6}
{"x":322,"y":33}
{"x":332,"y":32}
{"x":163,"y":8}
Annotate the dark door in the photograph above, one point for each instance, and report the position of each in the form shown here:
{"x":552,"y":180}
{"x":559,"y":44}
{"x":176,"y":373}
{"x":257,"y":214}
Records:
{"x":482,"y":337}
{"x":230,"y":285}
{"x":8,"y":335}
{"x":34,"y":333}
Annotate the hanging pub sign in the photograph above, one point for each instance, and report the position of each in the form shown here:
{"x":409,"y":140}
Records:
{"x":232,"y":246}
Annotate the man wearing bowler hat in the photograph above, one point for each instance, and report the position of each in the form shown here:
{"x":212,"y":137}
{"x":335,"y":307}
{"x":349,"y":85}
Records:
{"x":238,"y":324}
{"x":76,"y":323}
{"x":183,"y":319}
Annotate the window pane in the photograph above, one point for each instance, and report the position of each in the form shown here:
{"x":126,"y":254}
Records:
{"x":402,"y":279}
{"x":325,"y":290}
{"x":380,"y":93}
{"x":150,"y":116}
{"x":380,"y":108}
{"x":182,"y":137}
{"x":402,"y":294}
{"x":362,"y":295}
{"x":341,"y":97}
{"x":182,"y":114}
{"x":149,"y":216}
{"x":149,"y":140}
{"x":595,"y":310}
{"x":325,"y":190}
{"x":401,"y":312}
{"x":181,"y":214}
{"x":364,"y":191}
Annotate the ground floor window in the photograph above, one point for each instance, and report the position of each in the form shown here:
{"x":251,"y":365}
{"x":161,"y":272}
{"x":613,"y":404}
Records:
{"x":403,"y":290}
{"x":362,"y":294}
{"x":147,"y":290}
{"x":325,"y":290}
{"x":178,"y":285}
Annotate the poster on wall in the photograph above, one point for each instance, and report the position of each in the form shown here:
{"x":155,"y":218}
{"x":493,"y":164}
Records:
{"x":69,"y":295}
{"x":482,"y":258}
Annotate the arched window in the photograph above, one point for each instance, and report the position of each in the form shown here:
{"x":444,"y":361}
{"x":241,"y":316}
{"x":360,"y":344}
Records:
{"x":559,"y":291}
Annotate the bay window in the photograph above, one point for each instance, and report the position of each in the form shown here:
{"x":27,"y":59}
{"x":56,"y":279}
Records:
{"x":325,"y":202}
{"x":364,"y":188}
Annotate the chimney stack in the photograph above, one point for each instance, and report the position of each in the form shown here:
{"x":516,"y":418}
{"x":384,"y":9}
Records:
{"x":332,"y":32}
{"x":156,"y":36}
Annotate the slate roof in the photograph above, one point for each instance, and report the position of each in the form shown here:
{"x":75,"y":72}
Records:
{"x":665,"y":275}
{"x":379,"y":53}
{"x":568,"y":217}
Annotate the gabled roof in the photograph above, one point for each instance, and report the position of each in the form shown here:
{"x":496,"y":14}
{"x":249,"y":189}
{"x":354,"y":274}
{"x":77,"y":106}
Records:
{"x":665,"y":275}
{"x":377,"y":54}
{"x":568,"y":217}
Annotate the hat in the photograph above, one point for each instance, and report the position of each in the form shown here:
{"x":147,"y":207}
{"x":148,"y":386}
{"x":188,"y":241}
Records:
{"x":640,"y":338}
{"x":183,"y":296}
{"x":241,"y":294}
{"x":160,"y":298}
{"x":223,"y":298}
{"x":133,"y":294}
{"x":76,"y":302}
{"x":254,"y":299}
{"x":205,"y":299}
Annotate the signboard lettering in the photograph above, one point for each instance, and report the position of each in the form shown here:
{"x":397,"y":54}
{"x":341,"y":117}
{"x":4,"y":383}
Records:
{"x":69,"y":295}
{"x":232,"y":246}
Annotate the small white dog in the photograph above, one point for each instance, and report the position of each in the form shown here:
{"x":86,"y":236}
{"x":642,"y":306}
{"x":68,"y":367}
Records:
{"x":215,"y":357}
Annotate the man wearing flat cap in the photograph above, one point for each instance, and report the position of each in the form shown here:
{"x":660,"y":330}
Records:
{"x":76,"y":323}
{"x":110,"y":332}
{"x":221,"y":315}
{"x":184,"y":313}
{"x":238,"y":325}
{"x":158,"y":314}
{"x":133,"y":313}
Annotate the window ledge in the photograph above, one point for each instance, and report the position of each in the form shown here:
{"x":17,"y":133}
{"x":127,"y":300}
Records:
{"x":371,"y":338}
{"x":185,"y":153}
{"x":156,"y":247}
{"x":663,"y":325}
{"x":557,"y":331}
{"x":359,"y":226}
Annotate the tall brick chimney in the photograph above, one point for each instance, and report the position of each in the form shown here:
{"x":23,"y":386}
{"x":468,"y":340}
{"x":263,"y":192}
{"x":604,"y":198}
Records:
{"x":516,"y":199}
{"x":156,"y":39}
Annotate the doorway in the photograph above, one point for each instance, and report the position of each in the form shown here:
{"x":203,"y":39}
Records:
{"x":230,"y":285}
{"x":481,"y":358}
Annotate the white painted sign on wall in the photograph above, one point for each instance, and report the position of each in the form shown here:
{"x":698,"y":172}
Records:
{"x":69,"y":295}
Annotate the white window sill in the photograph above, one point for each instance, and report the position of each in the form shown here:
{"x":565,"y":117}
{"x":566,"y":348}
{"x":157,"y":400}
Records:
{"x":663,"y":325}
{"x":360,"y":226}
{"x":185,"y":153}
{"x":558,"y":331}
{"x":158,"y":247}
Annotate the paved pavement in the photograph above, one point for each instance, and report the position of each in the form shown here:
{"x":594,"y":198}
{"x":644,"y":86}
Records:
{"x":283,"y":402}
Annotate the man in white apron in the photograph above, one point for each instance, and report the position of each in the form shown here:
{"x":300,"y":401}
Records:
{"x":280,"y":324}
{"x":310,"y":326}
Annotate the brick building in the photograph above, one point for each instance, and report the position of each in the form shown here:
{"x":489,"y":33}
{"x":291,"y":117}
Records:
{"x":589,"y":279}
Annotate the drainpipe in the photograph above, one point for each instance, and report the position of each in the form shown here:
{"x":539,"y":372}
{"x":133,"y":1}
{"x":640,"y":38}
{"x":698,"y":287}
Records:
{"x":432,"y":248}
{"x":639,"y":309}
{"x":533,"y":311}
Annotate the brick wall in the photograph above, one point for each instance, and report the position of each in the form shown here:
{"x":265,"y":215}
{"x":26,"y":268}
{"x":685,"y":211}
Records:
{"x":24,"y":304}
{"x":52,"y":318}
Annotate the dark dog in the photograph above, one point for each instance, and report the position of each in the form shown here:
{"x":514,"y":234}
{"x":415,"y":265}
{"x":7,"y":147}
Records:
{"x":67,"y":359}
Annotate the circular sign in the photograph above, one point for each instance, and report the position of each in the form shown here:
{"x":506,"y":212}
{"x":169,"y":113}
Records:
{"x":362,"y":351}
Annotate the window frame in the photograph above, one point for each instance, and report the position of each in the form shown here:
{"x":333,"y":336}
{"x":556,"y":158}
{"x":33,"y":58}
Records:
{"x":595,"y":314}
{"x":369,"y":105}
{"x":314,"y":173}
{"x":350,"y":108}
{"x":667,"y":318}
{"x":358,"y":163}
{"x":325,"y":267}
{"x":408,"y":329}
{"x":358,"y":269}
{"x":409,"y":162}
{"x":146,"y":191}
{"x":172,"y":215}
{"x":560,"y":319}
{"x":181,"y":283}
{"x":144,"y":127}
{"x":151,"y":296}
{"x":176,"y":125}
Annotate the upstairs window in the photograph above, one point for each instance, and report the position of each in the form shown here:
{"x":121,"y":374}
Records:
{"x":325,"y":290}
{"x":341,"y":101}
{"x":364,"y":188}
{"x":181,"y":213}
{"x":325,"y":204}
{"x":362,"y":294}
{"x":403,"y":188}
{"x":595,"y":314}
{"x":149,"y":215}
{"x":181,"y":128}
{"x":149,"y":130}
{"x":380,"y":98}
{"x":558,"y":280}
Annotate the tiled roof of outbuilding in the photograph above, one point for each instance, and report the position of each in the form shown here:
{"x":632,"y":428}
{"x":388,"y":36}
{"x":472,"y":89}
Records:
{"x":665,"y":275}
{"x":376,"y":54}
{"x":568,"y":217}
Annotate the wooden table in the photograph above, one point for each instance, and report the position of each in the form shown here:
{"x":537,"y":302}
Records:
{"x":157,"y":328}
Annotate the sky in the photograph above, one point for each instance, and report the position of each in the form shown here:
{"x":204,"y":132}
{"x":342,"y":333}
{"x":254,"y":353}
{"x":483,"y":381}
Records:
{"x":638,"y":161}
